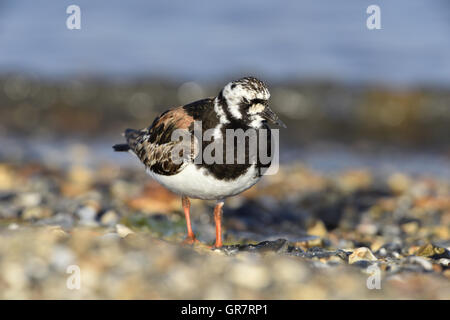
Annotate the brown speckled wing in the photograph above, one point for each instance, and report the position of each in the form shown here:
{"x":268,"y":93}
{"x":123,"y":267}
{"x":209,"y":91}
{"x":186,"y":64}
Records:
{"x":154,"y":145}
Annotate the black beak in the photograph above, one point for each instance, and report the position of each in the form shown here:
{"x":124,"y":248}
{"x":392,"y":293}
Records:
{"x":269,"y":115}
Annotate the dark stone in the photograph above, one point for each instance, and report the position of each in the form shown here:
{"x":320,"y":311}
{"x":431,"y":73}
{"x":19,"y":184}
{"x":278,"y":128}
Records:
{"x":362,"y":264}
{"x":279,"y":245}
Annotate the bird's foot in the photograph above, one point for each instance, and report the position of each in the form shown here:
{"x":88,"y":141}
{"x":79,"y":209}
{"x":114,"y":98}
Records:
{"x":190,"y":240}
{"x":216,"y":246}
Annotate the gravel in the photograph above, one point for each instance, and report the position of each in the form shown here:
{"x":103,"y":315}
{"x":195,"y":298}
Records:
{"x":298,"y":234}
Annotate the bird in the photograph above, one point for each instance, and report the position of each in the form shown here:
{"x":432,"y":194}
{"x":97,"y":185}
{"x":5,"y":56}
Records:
{"x":242,"y":104}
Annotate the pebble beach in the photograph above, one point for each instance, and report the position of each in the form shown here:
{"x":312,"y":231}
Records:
{"x":297,"y":234}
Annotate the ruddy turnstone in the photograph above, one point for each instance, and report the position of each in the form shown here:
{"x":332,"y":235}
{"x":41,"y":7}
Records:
{"x":241,"y":104}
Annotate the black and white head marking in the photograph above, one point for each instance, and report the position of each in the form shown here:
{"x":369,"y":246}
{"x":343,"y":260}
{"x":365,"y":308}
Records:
{"x":241,"y":93}
{"x":245,"y":100}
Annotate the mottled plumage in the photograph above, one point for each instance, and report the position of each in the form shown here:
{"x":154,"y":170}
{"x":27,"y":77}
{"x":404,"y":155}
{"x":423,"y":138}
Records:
{"x":153,"y":145}
{"x":240,"y":105}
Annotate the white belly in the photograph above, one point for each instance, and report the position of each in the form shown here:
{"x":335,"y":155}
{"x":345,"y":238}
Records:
{"x":193,"y":182}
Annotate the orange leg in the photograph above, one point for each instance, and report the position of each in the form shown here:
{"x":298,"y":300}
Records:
{"x":218,"y":220}
{"x":190,"y":239}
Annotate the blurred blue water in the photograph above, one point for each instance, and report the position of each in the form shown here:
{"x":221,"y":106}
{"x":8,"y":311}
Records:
{"x":201,"y":40}
{"x":323,"y":157}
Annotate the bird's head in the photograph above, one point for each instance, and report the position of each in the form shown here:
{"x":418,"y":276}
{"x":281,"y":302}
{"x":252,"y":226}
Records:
{"x":247,"y":100}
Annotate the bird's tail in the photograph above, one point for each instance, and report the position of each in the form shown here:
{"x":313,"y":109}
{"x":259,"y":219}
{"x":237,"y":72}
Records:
{"x":121,"y":147}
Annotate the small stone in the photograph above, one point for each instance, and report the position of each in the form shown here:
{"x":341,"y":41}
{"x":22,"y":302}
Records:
{"x":335,"y":260}
{"x":30,"y":199}
{"x":318,"y":229}
{"x":36,"y":213}
{"x":413,"y":250}
{"x":87,"y":214}
{"x":383,"y":252}
{"x":428,"y":250}
{"x":310,"y":243}
{"x":13,"y":226}
{"x":392,"y":267}
{"x":362,"y":253}
{"x":437,"y":268}
{"x":57,"y":231}
{"x":425,"y":264}
{"x":123,"y":231}
{"x":444,"y":262}
{"x":280,"y":245}
{"x":410,"y":227}
{"x":399,"y":182}
{"x":109,"y":218}
{"x":367,"y":228}
{"x":315,"y":243}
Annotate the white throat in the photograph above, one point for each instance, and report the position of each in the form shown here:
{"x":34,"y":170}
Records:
{"x":220,"y":112}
